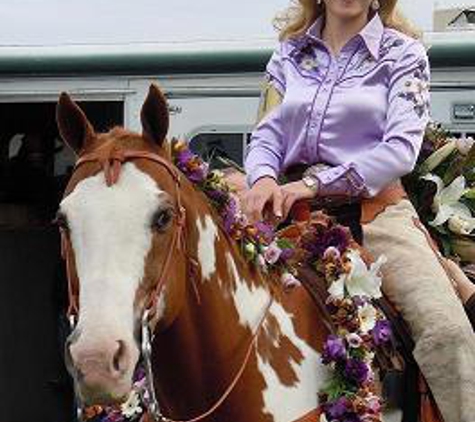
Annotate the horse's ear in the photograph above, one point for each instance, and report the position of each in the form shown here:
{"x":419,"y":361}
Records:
{"x":154,"y":116}
{"x":73,"y":125}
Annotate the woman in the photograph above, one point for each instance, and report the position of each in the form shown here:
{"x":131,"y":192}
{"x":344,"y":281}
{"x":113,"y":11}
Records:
{"x":353,"y":85}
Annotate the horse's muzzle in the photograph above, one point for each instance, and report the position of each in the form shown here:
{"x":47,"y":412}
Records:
{"x":102,"y":371}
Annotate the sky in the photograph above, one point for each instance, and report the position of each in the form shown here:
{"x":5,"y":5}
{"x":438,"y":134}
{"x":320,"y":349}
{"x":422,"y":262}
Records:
{"x":51,"y":22}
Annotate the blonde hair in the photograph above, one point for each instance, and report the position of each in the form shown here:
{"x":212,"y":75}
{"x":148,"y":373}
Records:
{"x":301,"y":14}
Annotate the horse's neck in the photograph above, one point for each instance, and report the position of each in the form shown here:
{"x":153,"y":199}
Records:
{"x":201,"y":353}
{"x":224,"y":303}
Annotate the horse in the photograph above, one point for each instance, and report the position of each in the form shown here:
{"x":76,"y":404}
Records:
{"x":142,"y":242}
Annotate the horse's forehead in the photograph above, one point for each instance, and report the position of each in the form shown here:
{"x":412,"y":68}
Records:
{"x":135,"y":192}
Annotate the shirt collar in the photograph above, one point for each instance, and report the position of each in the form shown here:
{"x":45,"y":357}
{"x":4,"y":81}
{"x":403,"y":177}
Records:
{"x":371,"y":34}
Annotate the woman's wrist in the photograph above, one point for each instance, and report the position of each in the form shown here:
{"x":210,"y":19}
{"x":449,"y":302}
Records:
{"x":312,"y":183}
{"x":264,"y":179}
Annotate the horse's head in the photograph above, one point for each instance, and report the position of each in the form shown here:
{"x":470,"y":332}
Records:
{"x":121,"y":218}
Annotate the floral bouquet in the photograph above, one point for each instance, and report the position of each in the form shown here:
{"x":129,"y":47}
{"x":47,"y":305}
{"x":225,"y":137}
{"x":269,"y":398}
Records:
{"x":442,"y":189}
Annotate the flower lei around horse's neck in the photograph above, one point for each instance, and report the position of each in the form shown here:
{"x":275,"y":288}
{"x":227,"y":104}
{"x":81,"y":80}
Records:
{"x":350,"y":394}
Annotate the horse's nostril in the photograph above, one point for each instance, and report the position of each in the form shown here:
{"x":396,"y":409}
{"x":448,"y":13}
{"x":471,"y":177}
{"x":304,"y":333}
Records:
{"x":118,"y":360}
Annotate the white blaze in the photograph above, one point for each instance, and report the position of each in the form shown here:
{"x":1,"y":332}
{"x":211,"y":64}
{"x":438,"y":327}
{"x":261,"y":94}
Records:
{"x":111,"y":236}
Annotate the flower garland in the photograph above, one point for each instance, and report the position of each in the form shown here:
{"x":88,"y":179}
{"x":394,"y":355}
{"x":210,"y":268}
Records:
{"x":360,"y":328}
{"x":131,"y":410}
{"x":350,"y":395}
{"x":258,"y":242}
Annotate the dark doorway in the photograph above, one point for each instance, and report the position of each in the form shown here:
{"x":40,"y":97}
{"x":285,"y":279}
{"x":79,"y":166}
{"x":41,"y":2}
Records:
{"x":34,"y":167}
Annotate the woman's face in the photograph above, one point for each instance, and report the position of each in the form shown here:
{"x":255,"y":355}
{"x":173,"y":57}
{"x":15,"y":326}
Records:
{"x":347,"y":9}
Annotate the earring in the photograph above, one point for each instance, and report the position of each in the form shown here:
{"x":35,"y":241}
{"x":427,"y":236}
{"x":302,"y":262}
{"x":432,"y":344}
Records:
{"x":319,"y":2}
{"x":375,"y":5}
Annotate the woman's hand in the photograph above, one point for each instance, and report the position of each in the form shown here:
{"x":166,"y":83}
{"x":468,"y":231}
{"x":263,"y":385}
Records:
{"x":265,"y":191}
{"x":293,"y":192}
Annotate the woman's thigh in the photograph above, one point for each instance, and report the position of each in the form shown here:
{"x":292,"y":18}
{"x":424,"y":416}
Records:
{"x":413,"y":278}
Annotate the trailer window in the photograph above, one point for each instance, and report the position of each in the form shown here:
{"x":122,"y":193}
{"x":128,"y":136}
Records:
{"x":218,"y":148}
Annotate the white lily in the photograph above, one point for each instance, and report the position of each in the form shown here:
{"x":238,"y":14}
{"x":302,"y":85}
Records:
{"x":448,"y":207}
{"x":367,"y":315}
{"x":359,"y":281}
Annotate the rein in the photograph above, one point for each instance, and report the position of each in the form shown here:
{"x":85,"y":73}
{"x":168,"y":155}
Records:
{"x":111,"y":163}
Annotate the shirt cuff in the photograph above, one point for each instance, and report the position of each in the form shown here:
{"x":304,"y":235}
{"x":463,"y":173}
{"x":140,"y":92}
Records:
{"x":340,"y":180}
{"x":259,"y":173}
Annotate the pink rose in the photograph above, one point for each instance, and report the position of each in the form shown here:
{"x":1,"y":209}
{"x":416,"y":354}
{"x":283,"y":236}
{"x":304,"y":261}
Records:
{"x":272,"y":253}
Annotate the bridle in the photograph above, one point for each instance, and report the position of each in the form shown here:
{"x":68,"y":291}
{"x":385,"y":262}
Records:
{"x":111,"y":163}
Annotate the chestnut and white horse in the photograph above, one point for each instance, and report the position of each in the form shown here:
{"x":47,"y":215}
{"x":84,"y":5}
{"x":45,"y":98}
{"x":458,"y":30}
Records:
{"x":140,"y":237}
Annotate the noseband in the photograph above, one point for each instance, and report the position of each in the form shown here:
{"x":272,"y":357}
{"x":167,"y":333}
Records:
{"x":111,"y":163}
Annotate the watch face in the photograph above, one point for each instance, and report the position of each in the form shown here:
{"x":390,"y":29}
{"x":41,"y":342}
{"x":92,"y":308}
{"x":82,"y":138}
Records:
{"x":310,"y":182}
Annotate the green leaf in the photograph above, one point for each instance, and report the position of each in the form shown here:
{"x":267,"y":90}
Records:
{"x":469,"y":162}
{"x":285,"y":244}
{"x":470,"y":194}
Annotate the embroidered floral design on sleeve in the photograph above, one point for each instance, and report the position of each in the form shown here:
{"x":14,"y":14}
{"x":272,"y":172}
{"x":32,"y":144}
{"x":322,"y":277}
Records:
{"x":416,"y":90}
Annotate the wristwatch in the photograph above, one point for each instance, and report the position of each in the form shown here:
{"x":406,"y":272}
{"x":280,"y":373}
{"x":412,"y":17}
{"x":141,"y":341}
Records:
{"x":311,"y":182}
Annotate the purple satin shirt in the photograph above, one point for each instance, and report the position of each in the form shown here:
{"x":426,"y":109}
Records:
{"x":363,"y":112}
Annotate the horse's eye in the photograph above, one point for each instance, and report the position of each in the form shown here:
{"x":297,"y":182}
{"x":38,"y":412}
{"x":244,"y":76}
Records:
{"x":162,"y":218}
{"x":61,"y":221}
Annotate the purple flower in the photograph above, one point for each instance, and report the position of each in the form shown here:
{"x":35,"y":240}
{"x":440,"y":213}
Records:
{"x":265,"y":230}
{"x":382,"y":332}
{"x":217,"y":195}
{"x":356,"y":370}
{"x":351,"y":417}
{"x":334,"y":350}
{"x":272,"y":253}
{"x":139,"y":373}
{"x":337,"y":409}
{"x":194,"y":168}
{"x":230,"y":215}
{"x":114,"y":416}
{"x":184,"y":157}
{"x":199,"y":174}
{"x":286,"y":254}
{"x":337,"y":237}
